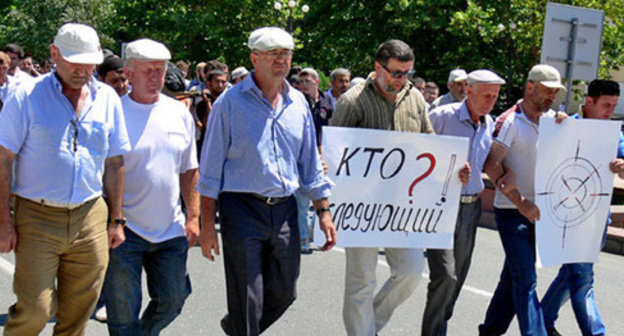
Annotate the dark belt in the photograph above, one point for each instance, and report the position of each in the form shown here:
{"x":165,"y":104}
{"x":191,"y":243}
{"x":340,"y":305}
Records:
{"x":269,"y":199}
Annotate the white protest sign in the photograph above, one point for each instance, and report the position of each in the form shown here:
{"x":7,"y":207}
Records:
{"x":573,"y":188}
{"x":393,"y":189}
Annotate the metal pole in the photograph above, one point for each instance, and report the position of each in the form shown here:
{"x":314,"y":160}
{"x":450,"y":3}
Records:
{"x":290,"y":21}
{"x":571,"y":60}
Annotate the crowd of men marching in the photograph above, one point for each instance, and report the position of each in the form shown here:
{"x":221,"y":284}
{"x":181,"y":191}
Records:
{"x":105,"y":173}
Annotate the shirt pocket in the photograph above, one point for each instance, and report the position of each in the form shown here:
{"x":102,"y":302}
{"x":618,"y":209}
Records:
{"x":96,"y":137}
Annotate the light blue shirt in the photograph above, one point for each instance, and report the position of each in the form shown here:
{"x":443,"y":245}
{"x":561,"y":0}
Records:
{"x":39,"y":126}
{"x":252,"y":147}
{"x":454,"y":119}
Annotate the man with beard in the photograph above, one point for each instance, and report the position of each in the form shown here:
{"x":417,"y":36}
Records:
{"x":511,"y":165}
{"x":387,"y":101}
{"x":456,"y":84}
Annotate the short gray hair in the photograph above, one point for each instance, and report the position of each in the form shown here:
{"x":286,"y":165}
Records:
{"x":339,"y":72}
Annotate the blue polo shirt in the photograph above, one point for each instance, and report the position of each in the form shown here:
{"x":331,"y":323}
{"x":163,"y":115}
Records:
{"x":252,"y":147}
{"x":60,"y":157}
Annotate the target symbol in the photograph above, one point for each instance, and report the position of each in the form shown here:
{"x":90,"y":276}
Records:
{"x":573,"y":192}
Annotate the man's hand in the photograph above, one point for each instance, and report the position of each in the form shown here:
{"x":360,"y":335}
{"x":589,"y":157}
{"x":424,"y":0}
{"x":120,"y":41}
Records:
{"x":617,"y":167}
{"x":8,"y":237}
{"x":209,"y":241}
{"x":327,"y":226}
{"x":464,"y":173}
{"x":191,"y":230}
{"x":529,"y":210}
{"x":560,"y":117}
{"x":507,"y":182}
{"x":116,"y":235}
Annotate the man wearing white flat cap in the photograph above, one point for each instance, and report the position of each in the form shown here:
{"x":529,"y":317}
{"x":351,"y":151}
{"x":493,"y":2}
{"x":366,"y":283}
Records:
{"x":161,"y":165}
{"x":457,"y":82}
{"x":449,"y":268}
{"x":259,"y":149}
{"x":66,"y":133}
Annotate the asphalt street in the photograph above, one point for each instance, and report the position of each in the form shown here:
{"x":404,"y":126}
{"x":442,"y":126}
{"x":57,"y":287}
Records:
{"x":318,"y":309}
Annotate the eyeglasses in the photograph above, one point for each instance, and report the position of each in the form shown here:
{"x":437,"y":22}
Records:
{"x":397,"y":74}
{"x":273,"y":54}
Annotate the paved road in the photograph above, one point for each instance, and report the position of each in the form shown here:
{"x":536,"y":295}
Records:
{"x":317,"y":311}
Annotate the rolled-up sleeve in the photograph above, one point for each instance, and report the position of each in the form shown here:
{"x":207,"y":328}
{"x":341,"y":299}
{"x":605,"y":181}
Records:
{"x":214,"y":150}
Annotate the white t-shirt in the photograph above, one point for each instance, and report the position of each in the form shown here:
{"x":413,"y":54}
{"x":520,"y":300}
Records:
{"x":163,"y":147}
{"x":519,"y":135}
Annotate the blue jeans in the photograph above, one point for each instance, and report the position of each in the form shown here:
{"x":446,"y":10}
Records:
{"x":167,"y":282}
{"x":515,"y":293}
{"x":575,"y":282}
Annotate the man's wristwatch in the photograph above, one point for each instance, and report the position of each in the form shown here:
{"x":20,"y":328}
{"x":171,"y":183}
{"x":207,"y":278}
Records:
{"x":321,"y":210}
{"x":119,"y":221}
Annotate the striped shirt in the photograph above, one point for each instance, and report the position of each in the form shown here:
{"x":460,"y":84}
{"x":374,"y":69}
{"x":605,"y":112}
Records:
{"x":365,"y":106}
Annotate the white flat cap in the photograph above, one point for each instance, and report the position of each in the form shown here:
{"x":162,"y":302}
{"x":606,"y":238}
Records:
{"x":547,"y":75}
{"x":239,"y":72}
{"x":269,"y":38}
{"x":147,"y":50}
{"x":483,"y":76}
{"x":457,"y":75}
{"x":78,"y":43}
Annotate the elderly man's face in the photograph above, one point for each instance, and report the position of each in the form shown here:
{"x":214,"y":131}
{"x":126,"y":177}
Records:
{"x":275,"y":62}
{"x":541,"y":96}
{"x":26,"y":64}
{"x":118,"y":80}
{"x":601,"y":107}
{"x":147,"y":77}
{"x":341,"y":83}
{"x":458,"y":89}
{"x":73,"y":75}
{"x":389,"y":83}
{"x":309,"y":84}
{"x":431,"y":94}
{"x":481,"y":99}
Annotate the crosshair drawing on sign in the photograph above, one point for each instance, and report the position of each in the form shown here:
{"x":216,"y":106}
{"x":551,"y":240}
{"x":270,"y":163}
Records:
{"x":573,"y":193}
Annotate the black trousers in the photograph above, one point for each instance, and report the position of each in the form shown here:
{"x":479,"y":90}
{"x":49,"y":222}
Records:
{"x":261,"y":256}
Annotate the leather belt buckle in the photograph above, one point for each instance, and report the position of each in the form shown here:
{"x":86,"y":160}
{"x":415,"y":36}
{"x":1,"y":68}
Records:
{"x":273,"y":200}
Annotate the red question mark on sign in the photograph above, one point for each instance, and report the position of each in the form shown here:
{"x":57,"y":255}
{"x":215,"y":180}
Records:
{"x":432,"y":163}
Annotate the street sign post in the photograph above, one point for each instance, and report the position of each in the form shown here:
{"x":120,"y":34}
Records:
{"x":571,"y":42}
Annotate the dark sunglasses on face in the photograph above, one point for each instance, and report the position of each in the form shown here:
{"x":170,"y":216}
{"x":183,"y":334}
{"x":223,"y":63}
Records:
{"x":397,"y":74}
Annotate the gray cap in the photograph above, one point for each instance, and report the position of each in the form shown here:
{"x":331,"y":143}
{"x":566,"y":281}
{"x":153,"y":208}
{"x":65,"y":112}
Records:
{"x":483,"y":76}
{"x":78,"y":43}
{"x":239,"y":72}
{"x":269,"y":38}
{"x":309,"y":71}
{"x":457,"y":75}
{"x":546,"y":75}
{"x":147,"y":50}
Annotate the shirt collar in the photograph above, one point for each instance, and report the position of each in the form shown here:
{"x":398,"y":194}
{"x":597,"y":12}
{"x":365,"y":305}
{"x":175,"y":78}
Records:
{"x":93,"y":85}
{"x":249,"y":84}
{"x":464,"y":114}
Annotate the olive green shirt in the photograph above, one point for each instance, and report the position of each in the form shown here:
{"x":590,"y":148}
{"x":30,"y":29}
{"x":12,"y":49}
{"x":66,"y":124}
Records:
{"x":365,"y":106}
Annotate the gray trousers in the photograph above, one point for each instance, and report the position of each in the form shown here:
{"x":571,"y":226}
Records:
{"x":448,"y":270}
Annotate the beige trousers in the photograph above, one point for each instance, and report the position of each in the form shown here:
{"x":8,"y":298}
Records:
{"x":60,"y":263}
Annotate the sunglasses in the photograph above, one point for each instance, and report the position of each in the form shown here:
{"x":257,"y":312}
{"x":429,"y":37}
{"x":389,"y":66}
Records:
{"x":398,"y":74}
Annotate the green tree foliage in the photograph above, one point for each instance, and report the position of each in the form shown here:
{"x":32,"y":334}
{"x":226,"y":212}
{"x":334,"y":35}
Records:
{"x":503,"y":35}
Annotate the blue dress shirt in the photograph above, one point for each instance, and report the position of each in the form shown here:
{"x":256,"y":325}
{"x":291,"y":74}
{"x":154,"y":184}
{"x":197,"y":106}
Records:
{"x":59,"y":157}
{"x":454,"y":119}
{"x":251,"y":147}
